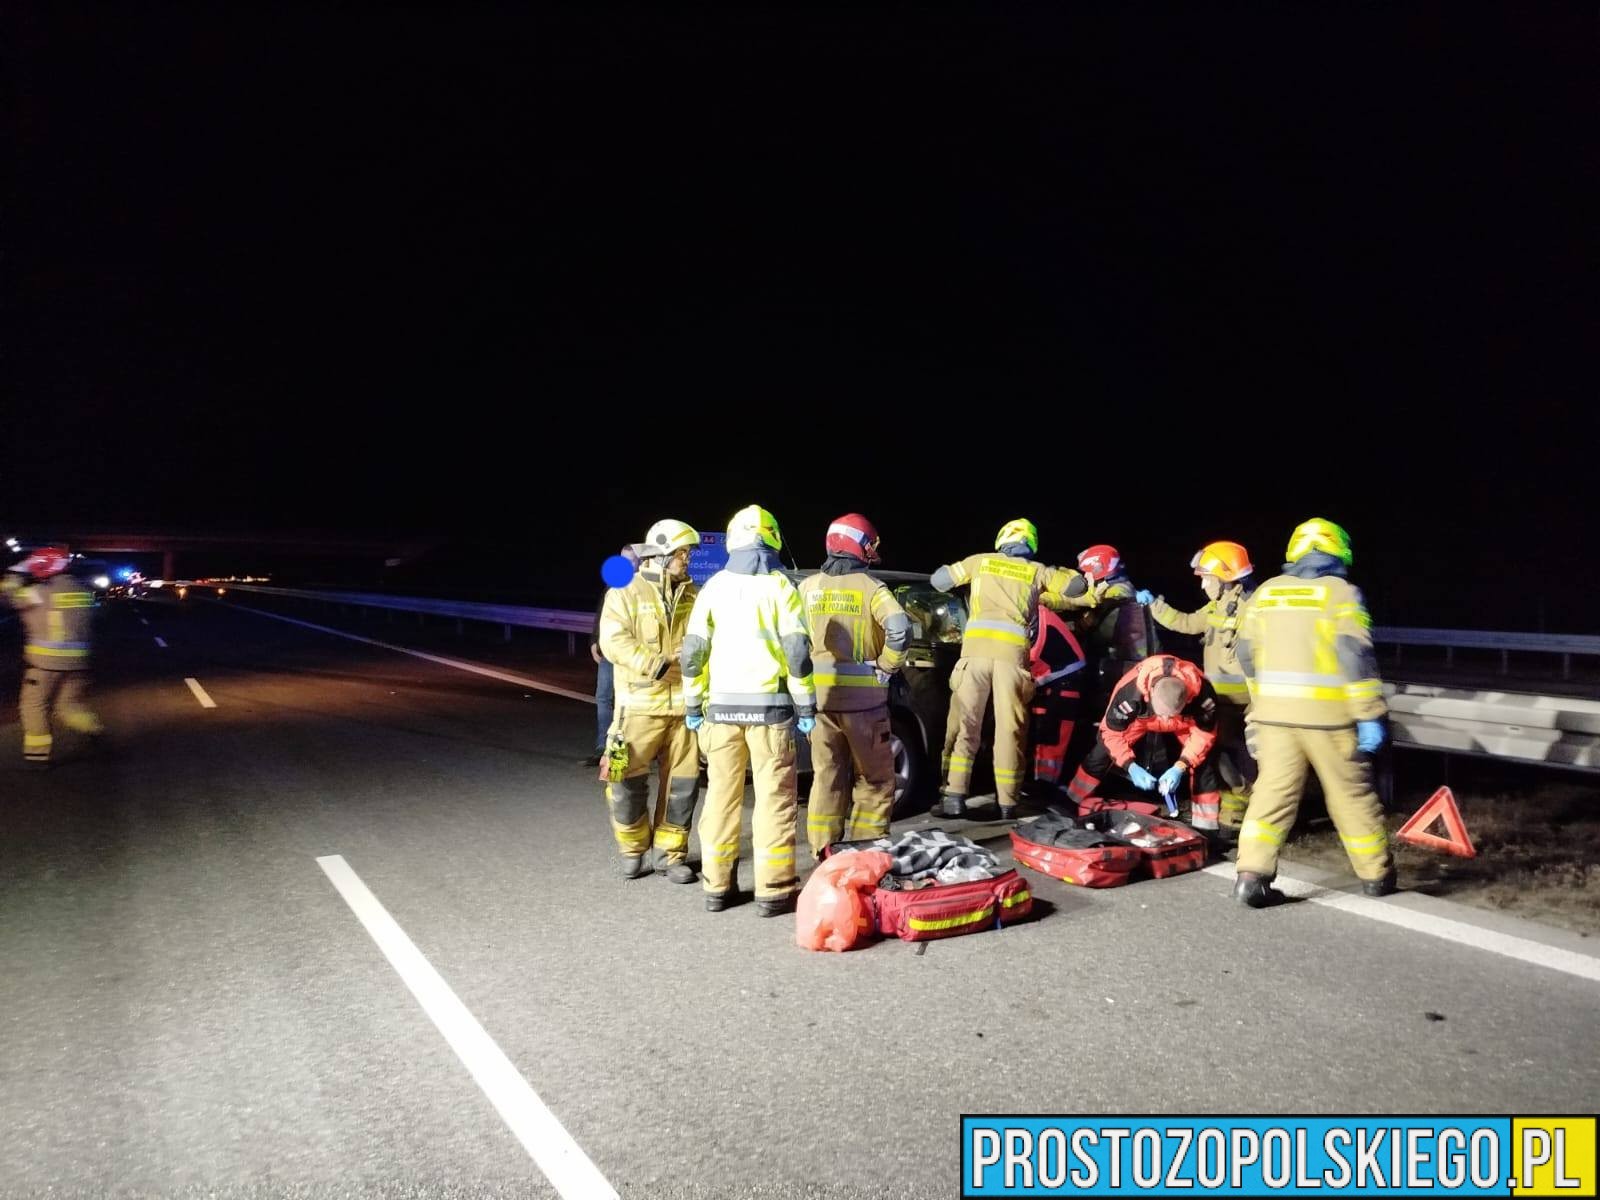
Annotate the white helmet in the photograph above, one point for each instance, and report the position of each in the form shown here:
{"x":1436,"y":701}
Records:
{"x":666,"y":537}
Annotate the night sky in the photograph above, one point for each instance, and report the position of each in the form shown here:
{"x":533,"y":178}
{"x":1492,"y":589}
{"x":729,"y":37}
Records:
{"x":1149,"y":275}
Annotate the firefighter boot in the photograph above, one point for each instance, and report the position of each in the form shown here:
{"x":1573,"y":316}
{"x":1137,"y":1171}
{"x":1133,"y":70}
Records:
{"x":1380,"y":887}
{"x":633,"y":866}
{"x":777,"y":906}
{"x":1256,"y":891}
{"x":677,"y":872}
{"x":953,"y":805}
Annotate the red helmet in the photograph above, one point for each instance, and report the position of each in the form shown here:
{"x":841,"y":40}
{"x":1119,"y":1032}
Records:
{"x":853,"y":534}
{"x":46,"y":561}
{"x":1099,"y":562}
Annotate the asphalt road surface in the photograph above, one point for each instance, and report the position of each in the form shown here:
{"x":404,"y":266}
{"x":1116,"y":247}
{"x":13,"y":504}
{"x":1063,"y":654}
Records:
{"x":190,"y":1005}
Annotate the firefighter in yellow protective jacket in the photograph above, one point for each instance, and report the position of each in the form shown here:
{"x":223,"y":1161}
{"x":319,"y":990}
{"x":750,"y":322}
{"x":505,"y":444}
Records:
{"x":641,"y":635}
{"x":1004,"y":591}
{"x":859,"y":636}
{"x":1305,"y":647}
{"x":747,"y":680}
{"x":57,"y":613}
{"x":1224,"y":569}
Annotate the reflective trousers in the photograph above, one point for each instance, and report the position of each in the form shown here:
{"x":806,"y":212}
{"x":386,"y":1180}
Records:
{"x":768,"y":750}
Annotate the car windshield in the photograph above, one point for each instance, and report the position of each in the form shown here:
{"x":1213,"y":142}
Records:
{"x":935,"y":616}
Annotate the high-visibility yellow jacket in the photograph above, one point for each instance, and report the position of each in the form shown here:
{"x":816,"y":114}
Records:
{"x":57,"y":615}
{"x":858,"y":631}
{"x":1305,"y":646}
{"x":747,"y":653}
{"x":1003,"y":598}
{"x":1218,"y":623}
{"x":641,"y":632}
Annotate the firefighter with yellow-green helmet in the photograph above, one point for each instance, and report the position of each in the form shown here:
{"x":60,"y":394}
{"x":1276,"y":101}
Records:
{"x":748,"y":688}
{"x":1316,"y":701}
{"x":641,"y":633}
{"x":859,"y":638}
{"x":1004,"y":591}
{"x":1224,"y":569}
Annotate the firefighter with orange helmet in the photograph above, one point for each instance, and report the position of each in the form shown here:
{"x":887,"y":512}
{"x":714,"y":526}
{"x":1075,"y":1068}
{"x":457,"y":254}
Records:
{"x":1224,"y":570}
{"x":57,"y":613}
{"x":1162,"y":695}
{"x":1006,"y":589}
{"x":859,"y":638}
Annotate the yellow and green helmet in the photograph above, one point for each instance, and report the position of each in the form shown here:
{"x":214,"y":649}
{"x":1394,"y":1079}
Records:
{"x":754,"y":526}
{"x":1319,"y":534}
{"x":1020,"y":530}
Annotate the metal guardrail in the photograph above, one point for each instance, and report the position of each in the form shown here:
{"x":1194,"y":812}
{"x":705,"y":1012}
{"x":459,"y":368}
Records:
{"x":1450,"y":640}
{"x":505,"y":615}
{"x":1556,"y":731}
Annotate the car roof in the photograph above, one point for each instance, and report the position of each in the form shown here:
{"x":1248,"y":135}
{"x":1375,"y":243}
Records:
{"x":799,"y":573}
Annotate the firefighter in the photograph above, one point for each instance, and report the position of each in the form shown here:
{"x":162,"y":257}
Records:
{"x":747,"y":679}
{"x":859,"y":636}
{"x":1005,"y":591}
{"x":1162,"y":695}
{"x":1305,"y":647}
{"x":57,"y":613}
{"x":641,"y":636}
{"x":1115,"y":635}
{"x":1224,"y":569}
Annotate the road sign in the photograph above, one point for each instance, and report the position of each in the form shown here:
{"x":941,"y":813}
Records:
{"x":709,"y":557}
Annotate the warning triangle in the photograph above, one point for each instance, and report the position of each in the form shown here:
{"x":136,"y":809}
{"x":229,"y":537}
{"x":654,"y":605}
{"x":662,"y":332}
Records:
{"x":1442,"y":804}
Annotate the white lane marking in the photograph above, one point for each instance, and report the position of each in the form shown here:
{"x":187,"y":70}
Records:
{"x":458,"y":664}
{"x":162,"y":642}
{"x":1505,"y":944}
{"x":562,"y":1160}
{"x":200,"y":694}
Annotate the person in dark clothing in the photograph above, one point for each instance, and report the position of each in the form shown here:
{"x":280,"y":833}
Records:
{"x":605,"y":695}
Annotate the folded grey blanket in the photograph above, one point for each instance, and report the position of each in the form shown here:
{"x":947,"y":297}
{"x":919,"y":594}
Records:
{"x":938,"y":855}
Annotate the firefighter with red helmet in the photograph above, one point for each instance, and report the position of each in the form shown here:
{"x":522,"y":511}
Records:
{"x":859,"y":638}
{"x":1116,"y":636}
{"x":57,"y":611}
{"x":1162,"y":695}
{"x":1224,"y":569}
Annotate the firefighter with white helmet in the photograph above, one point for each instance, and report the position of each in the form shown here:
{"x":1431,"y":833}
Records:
{"x":641,"y":633}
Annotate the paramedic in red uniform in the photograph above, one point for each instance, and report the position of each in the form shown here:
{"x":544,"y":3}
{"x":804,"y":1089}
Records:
{"x":1162,"y":695}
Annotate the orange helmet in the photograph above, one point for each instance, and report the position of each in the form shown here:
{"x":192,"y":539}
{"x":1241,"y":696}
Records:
{"x":1228,"y":561}
{"x":1099,"y":562}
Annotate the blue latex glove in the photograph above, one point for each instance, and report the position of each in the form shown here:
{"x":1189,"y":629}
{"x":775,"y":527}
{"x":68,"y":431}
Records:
{"x":694,"y":720}
{"x":1170,"y":779}
{"x":805,"y":725}
{"x":1144,"y":597}
{"x":1369,"y":736}
{"x":1142,"y":779}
